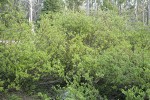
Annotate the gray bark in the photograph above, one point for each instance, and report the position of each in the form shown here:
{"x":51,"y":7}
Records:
{"x":136,"y":9}
{"x":88,"y":7}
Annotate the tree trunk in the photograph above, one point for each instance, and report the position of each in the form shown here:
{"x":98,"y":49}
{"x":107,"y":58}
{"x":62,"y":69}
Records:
{"x":30,"y":11}
{"x":88,"y":7}
{"x":119,"y":9}
{"x":136,"y":9}
{"x":148,"y":10}
{"x":95,"y":6}
{"x":31,"y":15}
{"x":144,"y":13}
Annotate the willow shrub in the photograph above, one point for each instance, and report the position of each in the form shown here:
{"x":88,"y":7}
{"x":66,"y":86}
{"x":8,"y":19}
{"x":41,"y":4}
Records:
{"x":101,"y":52}
{"x":88,"y":57}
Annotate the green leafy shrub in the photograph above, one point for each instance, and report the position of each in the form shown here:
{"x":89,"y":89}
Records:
{"x":89,"y":58}
{"x":134,"y":94}
{"x":100,"y":52}
{"x":13,"y":97}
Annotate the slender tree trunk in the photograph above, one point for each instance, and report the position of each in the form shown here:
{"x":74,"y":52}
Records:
{"x":119,"y":8}
{"x":147,"y":13}
{"x":31,"y":15}
{"x":30,"y":11}
{"x":101,"y":2}
{"x":88,"y":7}
{"x":144,"y":12}
{"x":143,"y":17}
{"x":95,"y":6}
{"x":136,"y":9}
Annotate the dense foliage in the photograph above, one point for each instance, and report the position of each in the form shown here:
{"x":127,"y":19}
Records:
{"x":72,"y":56}
{"x":53,"y":5}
